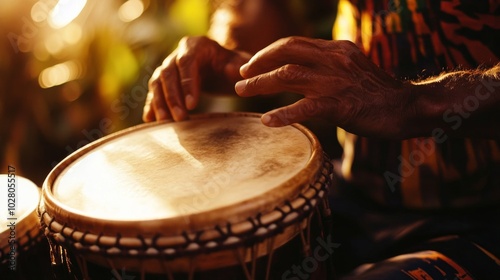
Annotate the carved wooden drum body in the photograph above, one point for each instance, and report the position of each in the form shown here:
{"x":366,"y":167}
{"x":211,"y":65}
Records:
{"x":219,"y":196}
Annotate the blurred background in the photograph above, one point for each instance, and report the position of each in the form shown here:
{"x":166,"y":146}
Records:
{"x":72,"y":71}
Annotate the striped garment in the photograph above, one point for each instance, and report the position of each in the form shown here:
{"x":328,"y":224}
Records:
{"x":413,"y":39}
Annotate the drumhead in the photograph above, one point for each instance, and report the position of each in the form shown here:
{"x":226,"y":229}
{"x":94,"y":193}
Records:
{"x":24,"y":216}
{"x":172,"y":177}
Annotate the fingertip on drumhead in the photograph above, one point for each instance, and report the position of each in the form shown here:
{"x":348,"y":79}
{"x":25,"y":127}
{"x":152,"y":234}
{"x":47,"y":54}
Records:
{"x":148,"y":115}
{"x":271,"y":120}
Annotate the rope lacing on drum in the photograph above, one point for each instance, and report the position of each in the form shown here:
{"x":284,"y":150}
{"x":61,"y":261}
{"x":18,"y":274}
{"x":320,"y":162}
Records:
{"x":279,"y":209}
{"x":82,"y":239}
{"x":118,"y":237}
{"x":97,"y":247}
{"x":52,"y":220}
{"x":308,"y":203}
{"x":290,"y":206}
{"x":73,"y":232}
{"x":154,"y":239}
{"x":61,"y":233}
{"x":191,"y":245}
{"x":221,"y":232}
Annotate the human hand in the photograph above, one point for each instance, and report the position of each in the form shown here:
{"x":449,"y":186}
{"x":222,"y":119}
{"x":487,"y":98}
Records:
{"x":339,"y":84}
{"x":197,"y":62}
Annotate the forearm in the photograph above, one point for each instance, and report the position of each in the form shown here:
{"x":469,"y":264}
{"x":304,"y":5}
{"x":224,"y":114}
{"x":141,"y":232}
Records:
{"x":458,"y":104}
{"x":251,"y":25}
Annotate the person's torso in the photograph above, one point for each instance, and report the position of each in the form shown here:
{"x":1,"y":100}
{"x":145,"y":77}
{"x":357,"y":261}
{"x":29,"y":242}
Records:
{"x":415,"y":39}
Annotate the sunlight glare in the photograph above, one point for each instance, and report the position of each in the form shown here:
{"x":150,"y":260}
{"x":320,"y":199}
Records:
{"x":65,"y":12}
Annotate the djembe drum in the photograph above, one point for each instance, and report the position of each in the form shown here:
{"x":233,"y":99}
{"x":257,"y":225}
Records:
{"x":219,"y":196}
{"x":23,"y":250}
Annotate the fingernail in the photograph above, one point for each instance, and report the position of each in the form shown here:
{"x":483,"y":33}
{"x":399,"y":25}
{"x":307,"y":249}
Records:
{"x":266,"y":119}
{"x":190,"y":103}
{"x":239,"y":87}
{"x":243,"y":68}
{"x":177,"y":113}
{"x":161,"y":114}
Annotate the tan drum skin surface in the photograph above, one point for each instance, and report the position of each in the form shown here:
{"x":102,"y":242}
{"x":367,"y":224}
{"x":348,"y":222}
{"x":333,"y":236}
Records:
{"x":184,"y":176}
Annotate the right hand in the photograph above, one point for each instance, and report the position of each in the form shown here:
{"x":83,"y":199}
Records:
{"x":175,"y":86}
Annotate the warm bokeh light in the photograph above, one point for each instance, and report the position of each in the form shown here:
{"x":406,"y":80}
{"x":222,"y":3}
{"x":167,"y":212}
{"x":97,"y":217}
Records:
{"x":40,"y":11}
{"x":59,"y":74}
{"x":218,"y":30}
{"x":40,"y":52}
{"x":48,"y":95}
{"x":65,"y":12}
{"x":72,"y":33}
{"x":131,"y":10}
{"x":345,"y":24}
{"x":54,"y":43}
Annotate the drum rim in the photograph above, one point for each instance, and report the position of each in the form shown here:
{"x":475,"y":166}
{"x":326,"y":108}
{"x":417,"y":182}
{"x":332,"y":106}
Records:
{"x":50,"y":207}
{"x":249,"y":232}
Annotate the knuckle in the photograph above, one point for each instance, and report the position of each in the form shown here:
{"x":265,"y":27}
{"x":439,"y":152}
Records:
{"x":168,"y":60}
{"x":289,"y":73}
{"x":192,"y":42}
{"x":292,"y":40}
{"x":348,"y":47}
{"x":154,"y":78}
{"x":185,"y":58}
{"x":285,"y":117}
{"x":346,"y":43}
{"x":185,"y":40}
{"x":309,"y":108}
{"x":253,"y":82}
{"x":166,"y":73}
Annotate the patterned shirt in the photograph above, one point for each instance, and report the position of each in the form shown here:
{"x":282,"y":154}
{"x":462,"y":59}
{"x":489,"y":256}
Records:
{"x":414,"y":39}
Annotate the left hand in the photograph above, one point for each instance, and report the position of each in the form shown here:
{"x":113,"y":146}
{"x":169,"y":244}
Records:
{"x":339,"y":84}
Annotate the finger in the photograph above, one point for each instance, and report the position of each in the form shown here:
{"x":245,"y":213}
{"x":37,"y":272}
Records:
{"x":148,"y":112}
{"x":172,"y":91}
{"x":288,"y":78}
{"x":292,"y":50}
{"x":188,"y":65}
{"x":158,"y":104}
{"x":297,"y":112}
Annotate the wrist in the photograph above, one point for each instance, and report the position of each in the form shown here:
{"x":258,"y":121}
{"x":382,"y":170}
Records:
{"x":424,"y":114}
